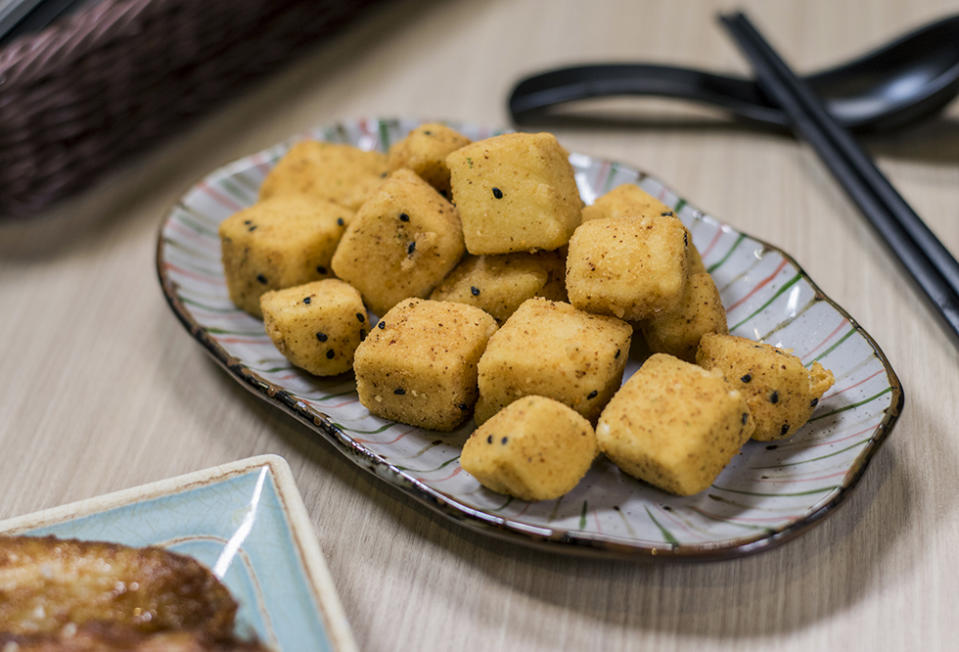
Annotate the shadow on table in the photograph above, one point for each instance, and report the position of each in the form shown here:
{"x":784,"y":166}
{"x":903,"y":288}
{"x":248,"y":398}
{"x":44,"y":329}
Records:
{"x":818,"y":575}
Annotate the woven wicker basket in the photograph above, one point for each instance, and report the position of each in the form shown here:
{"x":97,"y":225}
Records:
{"x":104,"y":83}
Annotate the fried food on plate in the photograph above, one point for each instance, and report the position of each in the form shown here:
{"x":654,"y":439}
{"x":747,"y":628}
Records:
{"x":48,"y":583}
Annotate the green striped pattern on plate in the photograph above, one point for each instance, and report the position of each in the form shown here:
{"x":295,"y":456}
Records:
{"x":766,"y":493}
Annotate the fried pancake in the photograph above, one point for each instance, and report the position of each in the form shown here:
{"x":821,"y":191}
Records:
{"x":48,"y":583}
{"x":103,"y":637}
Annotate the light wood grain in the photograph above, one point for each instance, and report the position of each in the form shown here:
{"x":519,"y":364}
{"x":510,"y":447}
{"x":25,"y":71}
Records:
{"x":101,"y":389}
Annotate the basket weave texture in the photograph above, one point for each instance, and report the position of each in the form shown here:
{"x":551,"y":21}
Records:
{"x":78,"y":97}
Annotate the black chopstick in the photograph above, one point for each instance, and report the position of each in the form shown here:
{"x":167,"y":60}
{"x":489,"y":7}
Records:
{"x":930,"y":264}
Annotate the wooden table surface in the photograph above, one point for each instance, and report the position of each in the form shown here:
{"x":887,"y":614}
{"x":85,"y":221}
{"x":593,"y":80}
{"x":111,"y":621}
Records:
{"x":102,"y":389}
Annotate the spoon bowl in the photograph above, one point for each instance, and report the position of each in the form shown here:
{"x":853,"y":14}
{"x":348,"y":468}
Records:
{"x":897,"y":84}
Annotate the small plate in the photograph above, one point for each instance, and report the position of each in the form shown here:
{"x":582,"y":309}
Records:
{"x":768,"y":494}
{"x":245,"y":521}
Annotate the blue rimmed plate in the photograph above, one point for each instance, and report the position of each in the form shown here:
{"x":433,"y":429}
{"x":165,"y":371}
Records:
{"x":768,"y":494}
{"x":246,"y":522}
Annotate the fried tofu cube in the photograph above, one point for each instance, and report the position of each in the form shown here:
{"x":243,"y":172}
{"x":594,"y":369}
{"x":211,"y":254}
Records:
{"x":629,"y":200}
{"x":424,"y":150}
{"x":674,"y":425}
{"x":534,"y":449}
{"x":316,"y":326}
{"x":678,"y":332}
{"x":278,"y":243}
{"x":342,"y":174}
{"x":631,"y":268}
{"x":548,"y":348}
{"x":418,"y":365}
{"x":780,"y":391}
{"x":626,"y":200}
{"x":515,"y":192}
{"x":499,"y":284}
{"x":401,"y":243}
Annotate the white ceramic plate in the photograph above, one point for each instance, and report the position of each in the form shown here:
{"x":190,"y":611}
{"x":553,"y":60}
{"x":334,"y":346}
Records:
{"x":768,"y":494}
{"x":246,"y":522}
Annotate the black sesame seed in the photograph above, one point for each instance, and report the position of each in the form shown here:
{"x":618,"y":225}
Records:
{"x":427,"y":132}
{"x":784,"y":429}
{"x":411,"y":248}
{"x":814,"y":402}
{"x":772,"y":447}
{"x":399,"y":391}
{"x":339,"y":221}
{"x":667,"y":508}
{"x":321,"y":269}
{"x":330,"y":354}
{"x":322,"y":337}
{"x":381,"y":325}
{"x":489,"y":439}
{"x":685,"y":239}
{"x":382,"y":175}
{"x":307,"y":300}
{"x":616,"y":507}
{"x":617,"y":353}
{"x":745,"y":418}
{"x":592,"y":394}
{"x":261,"y":278}
{"x":497,"y":193}
{"x":463,"y":406}
{"x":504,"y":440}
{"x":774,"y":397}
{"x":360,"y":317}
{"x":404,"y":217}
{"x":666,"y":213}
{"x":746,"y":378}
{"x":248,"y":222}
{"x":474,"y":290}
{"x":252,"y":228}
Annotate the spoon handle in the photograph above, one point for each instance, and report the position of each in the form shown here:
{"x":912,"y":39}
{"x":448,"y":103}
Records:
{"x":535,"y":95}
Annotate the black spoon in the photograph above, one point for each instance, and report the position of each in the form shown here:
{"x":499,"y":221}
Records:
{"x":899,"y":83}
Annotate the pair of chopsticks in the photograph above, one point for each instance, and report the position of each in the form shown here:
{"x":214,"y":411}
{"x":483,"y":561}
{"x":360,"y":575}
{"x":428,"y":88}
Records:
{"x":929,"y":263}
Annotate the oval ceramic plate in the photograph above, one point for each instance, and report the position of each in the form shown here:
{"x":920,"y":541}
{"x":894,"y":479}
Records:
{"x":768,"y":494}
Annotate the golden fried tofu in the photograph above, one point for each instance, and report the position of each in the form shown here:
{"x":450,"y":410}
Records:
{"x":418,"y":365}
{"x":401,"y":243}
{"x":342,"y":174}
{"x":499,"y":284}
{"x":535,"y":448}
{"x":628,"y":267}
{"x":678,"y":332}
{"x":780,"y":391}
{"x":674,"y":425}
{"x":278,"y":243}
{"x":551,"y":349}
{"x":629,"y":200}
{"x":424,"y":150}
{"x":316,"y":326}
{"x":515,"y":192}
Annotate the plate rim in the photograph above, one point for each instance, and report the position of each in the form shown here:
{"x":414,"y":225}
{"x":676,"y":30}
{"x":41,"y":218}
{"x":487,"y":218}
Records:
{"x":565,"y":542}
{"x":302,"y":533}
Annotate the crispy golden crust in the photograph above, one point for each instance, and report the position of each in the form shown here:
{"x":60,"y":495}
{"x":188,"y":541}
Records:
{"x":109,"y":637}
{"x":47,"y":583}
